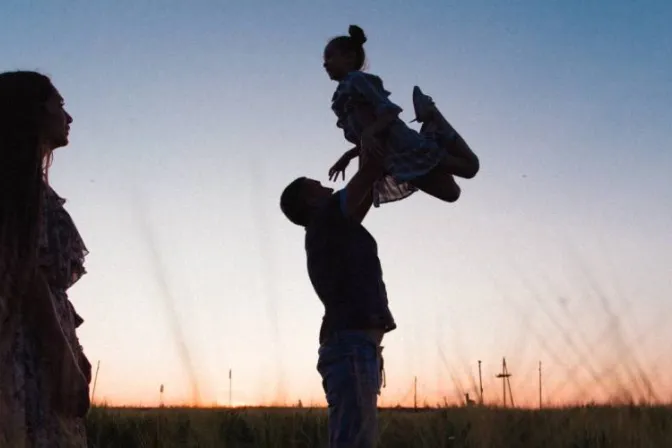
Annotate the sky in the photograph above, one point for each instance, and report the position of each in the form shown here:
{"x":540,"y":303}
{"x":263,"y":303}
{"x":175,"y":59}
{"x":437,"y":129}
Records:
{"x":191,"y":117}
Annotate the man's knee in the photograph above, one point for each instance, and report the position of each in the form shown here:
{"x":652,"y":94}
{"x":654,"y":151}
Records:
{"x":353,"y":419}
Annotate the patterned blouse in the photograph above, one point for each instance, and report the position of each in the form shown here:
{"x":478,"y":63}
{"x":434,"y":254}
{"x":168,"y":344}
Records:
{"x":26,"y":416}
{"x":360,"y":98}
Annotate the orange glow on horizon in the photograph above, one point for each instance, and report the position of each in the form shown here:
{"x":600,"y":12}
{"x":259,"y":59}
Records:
{"x":524,"y":399}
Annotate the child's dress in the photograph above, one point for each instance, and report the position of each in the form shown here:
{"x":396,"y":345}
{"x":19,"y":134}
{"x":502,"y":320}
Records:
{"x":358,"y":100}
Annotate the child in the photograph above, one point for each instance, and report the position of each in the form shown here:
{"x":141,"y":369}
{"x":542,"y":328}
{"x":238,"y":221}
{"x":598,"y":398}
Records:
{"x":426,"y":160}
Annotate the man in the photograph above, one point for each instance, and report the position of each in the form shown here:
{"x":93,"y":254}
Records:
{"x":345,"y":271}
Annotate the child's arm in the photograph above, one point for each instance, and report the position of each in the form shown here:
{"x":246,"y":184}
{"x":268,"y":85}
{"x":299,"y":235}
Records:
{"x":342,"y":163}
{"x":352,"y":153}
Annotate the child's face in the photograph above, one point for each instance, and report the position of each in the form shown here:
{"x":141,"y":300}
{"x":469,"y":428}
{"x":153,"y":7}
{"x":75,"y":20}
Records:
{"x":337,"y":63}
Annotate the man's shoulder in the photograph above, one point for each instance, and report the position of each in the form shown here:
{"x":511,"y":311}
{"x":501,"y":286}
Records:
{"x":331,"y":211}
{"x":334,"y":204}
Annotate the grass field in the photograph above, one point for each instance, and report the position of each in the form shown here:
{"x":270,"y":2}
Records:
{"x":595,"y":426}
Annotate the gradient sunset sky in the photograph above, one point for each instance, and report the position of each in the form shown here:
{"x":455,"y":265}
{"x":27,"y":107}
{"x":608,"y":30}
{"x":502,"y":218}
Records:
{"x":191,"y":117}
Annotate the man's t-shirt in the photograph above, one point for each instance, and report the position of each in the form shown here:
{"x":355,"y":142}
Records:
{"x":345,"y":271}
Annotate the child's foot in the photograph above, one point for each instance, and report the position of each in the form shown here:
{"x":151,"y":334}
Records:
{"x":434,"y":124}
{"x":429,"y":128}
{"x":423,"y":105}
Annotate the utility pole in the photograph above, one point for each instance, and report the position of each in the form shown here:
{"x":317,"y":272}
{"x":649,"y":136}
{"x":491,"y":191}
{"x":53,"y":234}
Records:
{"x":415,"y":392}
{"x":95,"y":381}
{"x":480,"y":382}
{"x":540,"y":402}
{"x":230,"y":388}
{"x":505,"y":375}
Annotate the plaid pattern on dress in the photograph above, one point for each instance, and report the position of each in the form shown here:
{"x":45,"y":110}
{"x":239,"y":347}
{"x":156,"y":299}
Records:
{"x":360,"y":98}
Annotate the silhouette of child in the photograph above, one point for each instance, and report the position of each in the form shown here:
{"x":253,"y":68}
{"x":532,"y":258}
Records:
{"x":425,"y":160}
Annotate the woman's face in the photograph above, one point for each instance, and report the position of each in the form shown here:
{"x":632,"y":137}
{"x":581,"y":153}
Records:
{"x":56,"y":122}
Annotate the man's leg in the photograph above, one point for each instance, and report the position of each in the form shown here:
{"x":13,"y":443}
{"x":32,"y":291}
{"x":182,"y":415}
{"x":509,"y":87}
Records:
{"x":351,"y":376}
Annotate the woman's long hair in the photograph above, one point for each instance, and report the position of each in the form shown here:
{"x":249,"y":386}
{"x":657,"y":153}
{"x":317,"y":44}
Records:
{"x":22,"y":157}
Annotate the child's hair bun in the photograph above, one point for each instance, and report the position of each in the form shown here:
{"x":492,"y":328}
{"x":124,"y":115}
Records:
{"x":357,"y":35}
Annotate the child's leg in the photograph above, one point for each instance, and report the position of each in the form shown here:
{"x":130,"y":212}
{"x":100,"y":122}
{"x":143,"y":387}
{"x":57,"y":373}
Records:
{"x":460,"y":160}
{"x":439,"y":183}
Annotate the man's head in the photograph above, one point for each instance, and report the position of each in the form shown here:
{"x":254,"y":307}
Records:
{"x":301,"y":198}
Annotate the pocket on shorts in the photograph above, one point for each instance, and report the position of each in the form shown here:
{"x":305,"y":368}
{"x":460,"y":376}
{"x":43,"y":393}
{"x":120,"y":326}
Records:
{"x":353,"y":368}
{"x":368,"y":377}
{"x":337,"y":371}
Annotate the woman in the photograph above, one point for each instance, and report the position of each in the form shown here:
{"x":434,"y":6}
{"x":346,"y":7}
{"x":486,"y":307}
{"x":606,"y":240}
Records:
{"x":44,"y":379}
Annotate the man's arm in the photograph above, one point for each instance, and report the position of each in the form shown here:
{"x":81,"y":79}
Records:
{"x":364,"y":207}
{"x":357,"y":196}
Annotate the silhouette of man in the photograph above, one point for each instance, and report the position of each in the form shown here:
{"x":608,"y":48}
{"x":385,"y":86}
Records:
{"x":345,"y":272}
